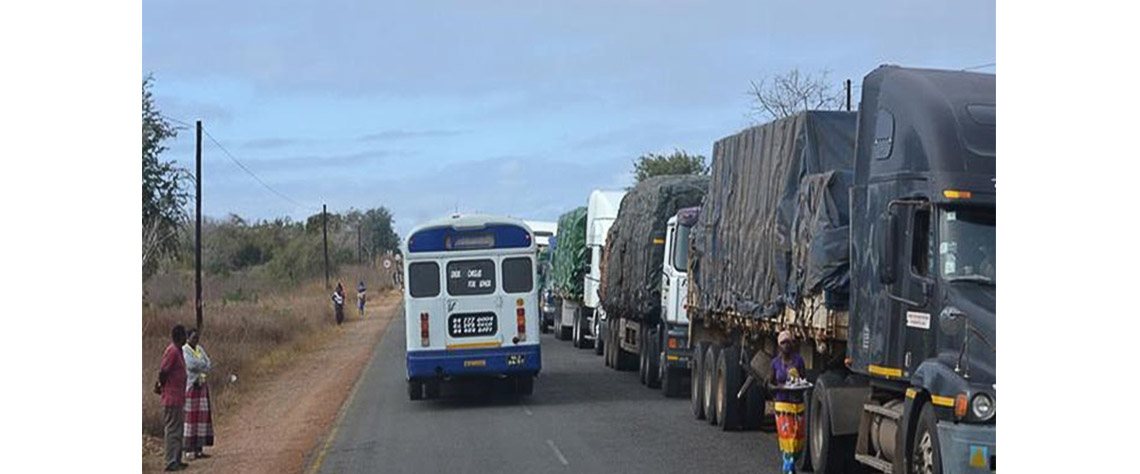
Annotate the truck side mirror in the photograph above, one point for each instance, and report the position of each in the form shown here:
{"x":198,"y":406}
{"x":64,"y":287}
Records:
{"x":887,"y":249}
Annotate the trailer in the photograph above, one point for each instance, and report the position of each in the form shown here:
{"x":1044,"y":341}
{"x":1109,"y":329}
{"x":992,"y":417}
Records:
{"x":567,"y":268}
{"x":870,"y":236}
{"x":638,"y":328}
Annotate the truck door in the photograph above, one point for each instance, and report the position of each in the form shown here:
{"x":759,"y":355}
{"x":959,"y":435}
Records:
{"x":912,"y":294}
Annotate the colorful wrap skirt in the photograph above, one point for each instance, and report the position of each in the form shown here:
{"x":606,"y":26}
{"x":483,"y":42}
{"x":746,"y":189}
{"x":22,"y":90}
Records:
{"x":198,"y":425}
{"x":791,"y":428}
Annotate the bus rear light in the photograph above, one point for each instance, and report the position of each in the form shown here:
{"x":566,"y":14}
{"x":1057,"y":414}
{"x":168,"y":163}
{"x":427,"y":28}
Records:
{"x":520,"y":313}
{"x":425,"y":339}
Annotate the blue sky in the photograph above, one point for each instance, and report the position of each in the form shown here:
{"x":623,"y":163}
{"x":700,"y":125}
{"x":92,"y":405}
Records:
{"x":507,"y":107}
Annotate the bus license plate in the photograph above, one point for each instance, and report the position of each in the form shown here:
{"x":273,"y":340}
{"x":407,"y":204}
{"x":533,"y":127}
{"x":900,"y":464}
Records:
{"x":516,"y":359}
{"x":472,"y":324}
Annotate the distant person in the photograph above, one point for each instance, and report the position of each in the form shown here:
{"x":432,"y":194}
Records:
{"x":360,"y":298}
{"x":199,"y":422}
{"x":788,"y":369}
{"x":172,"y":386}
{"x":338,"y":303}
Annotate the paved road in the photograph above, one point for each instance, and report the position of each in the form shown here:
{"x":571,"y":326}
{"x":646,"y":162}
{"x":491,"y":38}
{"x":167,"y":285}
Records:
{"x":582,"y":418}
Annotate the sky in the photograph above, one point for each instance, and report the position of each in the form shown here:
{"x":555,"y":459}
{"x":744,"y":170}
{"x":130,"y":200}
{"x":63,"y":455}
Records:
{"x":505,"y":107}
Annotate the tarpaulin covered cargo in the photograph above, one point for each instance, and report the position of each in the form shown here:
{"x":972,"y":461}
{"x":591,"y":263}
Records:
{"x":743,"y":242}
{"x":635,"y":247}
{"x":570,"y":254}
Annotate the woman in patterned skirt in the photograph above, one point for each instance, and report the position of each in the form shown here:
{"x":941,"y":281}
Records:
{"x":788,"y":368}
{"x":198,"y":431}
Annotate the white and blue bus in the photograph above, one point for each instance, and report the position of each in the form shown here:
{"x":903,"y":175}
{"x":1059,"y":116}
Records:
{"x":470,"y":303}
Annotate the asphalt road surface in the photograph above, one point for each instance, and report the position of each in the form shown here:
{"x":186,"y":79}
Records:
{"x":582,"y":418}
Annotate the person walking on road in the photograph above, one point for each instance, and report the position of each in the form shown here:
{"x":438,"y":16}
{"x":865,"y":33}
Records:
{"x":788,"y":371}
{"x":199,"y":423}
{"x":172,"y":386}
{"x":360,"y":298}
{"x":338,"y":303}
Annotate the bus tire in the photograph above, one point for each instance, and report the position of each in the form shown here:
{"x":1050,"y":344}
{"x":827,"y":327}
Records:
{"x":653,"y":360}
{"x":828,"y":453}
{"x":415,"y":390}
{"x":728,"y":413}
{"x":926,"y":457}
{"x":524,"y":384}
{"x":696,"y":381}
{"x":431,"y":389}
{"x":709,"y":384}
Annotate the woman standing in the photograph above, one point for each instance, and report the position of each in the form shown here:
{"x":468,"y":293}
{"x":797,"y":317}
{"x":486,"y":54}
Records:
{"x":360,"y":298}
{"x":338,"y":303}
{"x":788,"y":371}
{"x":199,"y":425}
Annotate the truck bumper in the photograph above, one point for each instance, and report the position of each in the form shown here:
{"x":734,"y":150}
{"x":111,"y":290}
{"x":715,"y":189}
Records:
{"x":967,"y":448}
{"x":499,"y":361}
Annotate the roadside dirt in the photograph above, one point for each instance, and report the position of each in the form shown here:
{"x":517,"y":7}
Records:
{"x":279,"y":422}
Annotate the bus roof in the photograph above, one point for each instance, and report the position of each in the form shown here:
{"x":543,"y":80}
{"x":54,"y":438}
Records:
{"x":446,"y":233}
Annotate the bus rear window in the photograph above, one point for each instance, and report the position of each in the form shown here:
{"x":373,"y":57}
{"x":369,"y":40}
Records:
{"x":423,"y":279}
{"x":470,"y":277}
{"x":517,"y":275}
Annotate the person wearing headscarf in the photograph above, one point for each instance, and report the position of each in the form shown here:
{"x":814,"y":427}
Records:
{"x":199,"y":422}
{"x":788,"y":369}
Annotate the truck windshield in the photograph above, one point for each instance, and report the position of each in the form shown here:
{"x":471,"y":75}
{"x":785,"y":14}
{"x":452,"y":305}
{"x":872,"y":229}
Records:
{"x":681,"y":248}
{"x":967,"y":249}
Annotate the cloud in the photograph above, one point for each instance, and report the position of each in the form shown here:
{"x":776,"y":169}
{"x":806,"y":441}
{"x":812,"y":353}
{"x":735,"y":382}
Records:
{"x":409,"y":134}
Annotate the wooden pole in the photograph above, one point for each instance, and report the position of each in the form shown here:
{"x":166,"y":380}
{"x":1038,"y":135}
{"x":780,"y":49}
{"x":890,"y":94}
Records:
{"x":325,"y":226}
{"x":198,"y":226}
{"x":848,"y":95}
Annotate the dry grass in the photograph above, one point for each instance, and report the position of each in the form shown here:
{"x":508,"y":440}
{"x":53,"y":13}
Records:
{"x":252,"y":326}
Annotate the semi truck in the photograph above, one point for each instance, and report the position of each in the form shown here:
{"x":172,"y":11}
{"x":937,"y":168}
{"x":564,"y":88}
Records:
{"x":870,"y":236}
{"x":640,"y":332}
{"x":567,"y":268}
{"x":544,"y":240}
{"x":601,"y":210}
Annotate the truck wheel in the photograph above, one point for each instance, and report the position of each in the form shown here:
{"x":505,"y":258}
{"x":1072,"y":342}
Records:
{"x":696,"y":381}
{"x":709,"y":374}
{"x":583,"y":326}
{"x":556,"y":322}
{"x":728,"y":413}
{"x":829,"y":453}
{"x":599,"y":341}
{"x":607,"y":347}
{"x":576,"y":330}
{"x":524,"y":384}
{"x":431,"y":389}
{"x":926,"y":457}
{"x":642,"y":358}
{"x":653,"y":358}
{"x":415,"y":390}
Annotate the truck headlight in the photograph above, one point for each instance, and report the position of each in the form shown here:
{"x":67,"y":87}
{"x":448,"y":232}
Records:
{"x":982,"y":406}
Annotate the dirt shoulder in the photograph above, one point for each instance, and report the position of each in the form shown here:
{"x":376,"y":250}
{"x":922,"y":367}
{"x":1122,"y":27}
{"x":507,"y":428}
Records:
{"x":279,"y":421}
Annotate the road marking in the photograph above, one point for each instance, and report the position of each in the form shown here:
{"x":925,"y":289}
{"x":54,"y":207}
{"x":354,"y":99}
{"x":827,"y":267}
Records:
{"x":528,"y":412}
{"x":561,"y":458}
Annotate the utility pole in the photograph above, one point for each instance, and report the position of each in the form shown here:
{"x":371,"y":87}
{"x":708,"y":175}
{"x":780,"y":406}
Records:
{"x":359,"y":249}
{"x":848,"y":83}
{"x":198,"y":226}
{"x":325,"y":226}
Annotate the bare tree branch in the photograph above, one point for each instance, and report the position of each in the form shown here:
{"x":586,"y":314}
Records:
{"x":787,"y":94}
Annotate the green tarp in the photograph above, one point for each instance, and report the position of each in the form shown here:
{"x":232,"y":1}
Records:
{"x":570,"y":255}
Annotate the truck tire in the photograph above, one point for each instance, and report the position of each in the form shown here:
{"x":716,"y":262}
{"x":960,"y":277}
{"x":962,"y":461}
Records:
{"x":696,"y":381}
{"x":670,"y":377}
{"x":728,"y":413}
{"x":642,"y":358}
{"x":829,"y":453}
{"x":599,"y":341}
{"x":565,"y":332}
{"x":709,"y":376}
{"x":556,"y":323}
{"x":583,"y":326}
{"x":926,"y":457}
{"x":415,"y":390}
{"x":576,"y":329}
{"x":653,"y":356}
{"x":524,"y":385}
{"x":607,"y":358}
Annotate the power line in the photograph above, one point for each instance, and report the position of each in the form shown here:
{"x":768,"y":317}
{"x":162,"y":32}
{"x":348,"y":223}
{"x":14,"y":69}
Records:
{"x":263,"y":184}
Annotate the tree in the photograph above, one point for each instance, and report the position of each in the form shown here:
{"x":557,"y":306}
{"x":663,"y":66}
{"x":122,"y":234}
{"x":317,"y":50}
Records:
{"x":163,"y":193}
{"x":677,"y":162}
{"x":788,"y":94}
